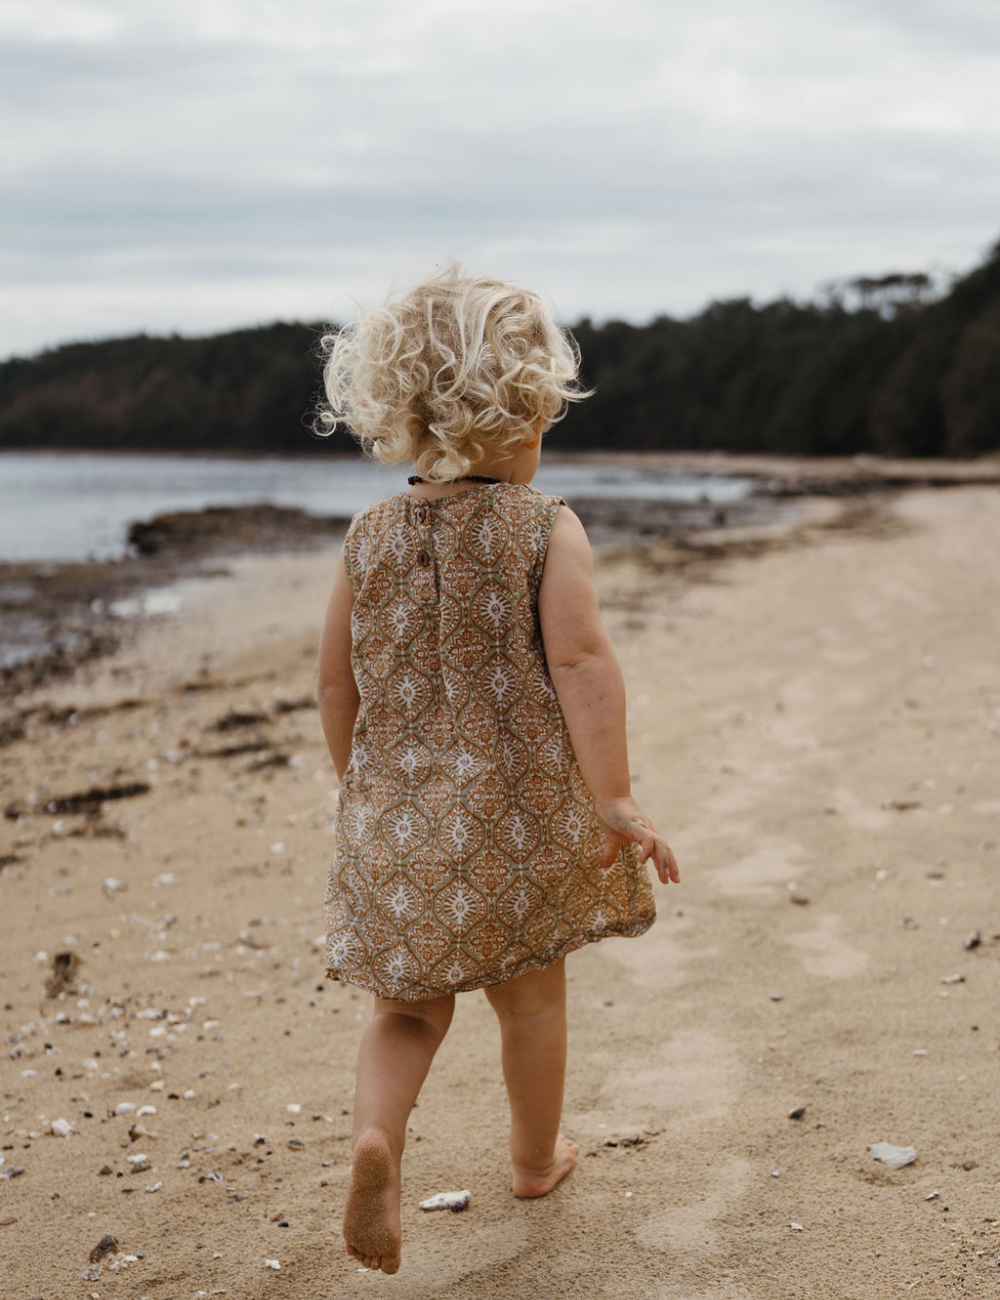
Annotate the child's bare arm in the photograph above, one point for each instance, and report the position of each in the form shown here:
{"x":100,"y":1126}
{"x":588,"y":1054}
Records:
{"x":337,"y":690}
{"x":588,"y":682}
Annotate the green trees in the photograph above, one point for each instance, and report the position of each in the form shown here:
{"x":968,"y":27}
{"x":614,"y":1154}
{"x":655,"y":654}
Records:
{"x":877,"y":365}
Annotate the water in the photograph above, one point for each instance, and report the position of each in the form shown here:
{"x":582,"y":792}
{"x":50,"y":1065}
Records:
{"x":72,"y":506}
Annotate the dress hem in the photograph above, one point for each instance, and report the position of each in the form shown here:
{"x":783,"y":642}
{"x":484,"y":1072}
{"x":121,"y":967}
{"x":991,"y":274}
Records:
{"x":421,"y":992}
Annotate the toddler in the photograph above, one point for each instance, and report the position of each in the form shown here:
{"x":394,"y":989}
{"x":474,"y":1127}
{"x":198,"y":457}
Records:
{"x":475,"y":713}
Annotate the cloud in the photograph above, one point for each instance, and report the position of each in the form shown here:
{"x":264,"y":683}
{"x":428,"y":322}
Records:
{"x":204,"y":164}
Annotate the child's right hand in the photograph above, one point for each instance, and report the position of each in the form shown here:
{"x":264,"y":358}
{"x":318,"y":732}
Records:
{"x":624,"y":820}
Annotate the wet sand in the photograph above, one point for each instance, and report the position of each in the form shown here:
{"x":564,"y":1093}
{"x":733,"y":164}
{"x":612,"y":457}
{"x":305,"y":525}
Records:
{"x":815,"y":721}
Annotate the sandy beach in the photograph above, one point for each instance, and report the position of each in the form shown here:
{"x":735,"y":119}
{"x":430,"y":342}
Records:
{"x":814,"y":722}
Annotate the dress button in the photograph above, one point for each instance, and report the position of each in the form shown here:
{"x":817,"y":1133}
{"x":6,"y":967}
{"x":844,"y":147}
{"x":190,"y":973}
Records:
{"x":421,"y":514}
{"x":423,"y":558}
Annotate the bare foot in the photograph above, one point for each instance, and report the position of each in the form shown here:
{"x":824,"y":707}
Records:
{"x":539,"y":1182}
{"x":371,"y":1219}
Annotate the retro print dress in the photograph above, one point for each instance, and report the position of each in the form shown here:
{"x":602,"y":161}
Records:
{"x":468,"y":849}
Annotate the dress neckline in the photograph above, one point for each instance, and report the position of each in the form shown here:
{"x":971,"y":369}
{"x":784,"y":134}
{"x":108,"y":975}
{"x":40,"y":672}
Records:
{"x":454,"y":496}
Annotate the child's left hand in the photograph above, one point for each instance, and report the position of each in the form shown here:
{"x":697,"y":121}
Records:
{"x":624,"y":820}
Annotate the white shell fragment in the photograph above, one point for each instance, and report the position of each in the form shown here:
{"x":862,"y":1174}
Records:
{"x":62,"y":1128}
{"x":454,"y":1201}
{"x":272,"y":1263}
{"x":894,"y":1157}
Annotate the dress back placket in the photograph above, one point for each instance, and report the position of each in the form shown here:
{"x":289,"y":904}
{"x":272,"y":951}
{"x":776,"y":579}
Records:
{"x":426,"y":581}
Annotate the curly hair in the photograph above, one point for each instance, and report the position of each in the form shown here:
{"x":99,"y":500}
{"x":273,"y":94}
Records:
{"x":458,"y":369}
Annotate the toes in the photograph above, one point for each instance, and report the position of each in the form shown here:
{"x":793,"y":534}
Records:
{"x":390,"y":1263}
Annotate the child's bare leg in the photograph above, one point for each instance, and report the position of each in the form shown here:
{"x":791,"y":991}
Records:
{"x":395,"y":1055}
{"x":532,"y":1014}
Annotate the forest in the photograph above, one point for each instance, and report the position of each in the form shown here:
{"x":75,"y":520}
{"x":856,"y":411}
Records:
{"x":882,"y":365}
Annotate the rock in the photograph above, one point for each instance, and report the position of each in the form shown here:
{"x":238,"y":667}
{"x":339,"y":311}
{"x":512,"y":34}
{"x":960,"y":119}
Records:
{"x":952,"y":979}
{"x":272,"y":1263}
{"x":92,"y":1273}
{"x":796,"y":1227}
{"x":892,"y":1156}
{"x":454,"y":1201}
{"x":797,"y":1113}
{"x":972,"y":941}
{"x":62,"y":1128}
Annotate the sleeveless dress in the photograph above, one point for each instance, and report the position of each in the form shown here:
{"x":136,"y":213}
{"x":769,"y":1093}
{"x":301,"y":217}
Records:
{"x":468,"y":849}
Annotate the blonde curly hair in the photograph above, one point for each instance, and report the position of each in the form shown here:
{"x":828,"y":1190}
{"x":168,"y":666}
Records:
{"x":458,"y":369}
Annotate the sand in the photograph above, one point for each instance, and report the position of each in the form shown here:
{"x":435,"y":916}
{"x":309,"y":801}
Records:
{"x":815,"y":720}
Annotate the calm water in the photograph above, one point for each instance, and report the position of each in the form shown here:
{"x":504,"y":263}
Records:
{"x":68,"y":506}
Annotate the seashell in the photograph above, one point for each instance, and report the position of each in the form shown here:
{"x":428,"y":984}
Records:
{"x":454,"y":1201}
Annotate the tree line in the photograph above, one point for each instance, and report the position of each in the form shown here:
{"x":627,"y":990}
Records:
{"x":878,"y":364}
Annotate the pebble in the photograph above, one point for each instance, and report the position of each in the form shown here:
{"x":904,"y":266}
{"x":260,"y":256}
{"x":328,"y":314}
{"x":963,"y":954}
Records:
{"x":972,"y":941}
{"x":796,"y":1227}
{"x":62,"y":1128}
{"x":272,"y":1263}
{"x":797,"y":1113}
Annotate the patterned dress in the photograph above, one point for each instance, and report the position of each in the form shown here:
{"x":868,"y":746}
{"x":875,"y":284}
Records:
{"x":468,"y":849}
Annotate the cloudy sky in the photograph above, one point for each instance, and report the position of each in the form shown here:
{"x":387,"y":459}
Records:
{"x":206,"y":163}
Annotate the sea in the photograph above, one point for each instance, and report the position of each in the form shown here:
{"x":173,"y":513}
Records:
{"x":67,"y":506}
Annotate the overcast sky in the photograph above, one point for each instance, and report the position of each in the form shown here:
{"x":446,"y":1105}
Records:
{"x":201,"y":164}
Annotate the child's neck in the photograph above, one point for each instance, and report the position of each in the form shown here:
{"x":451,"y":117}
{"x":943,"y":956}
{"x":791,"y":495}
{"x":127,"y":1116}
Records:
{"x":517,"y":468}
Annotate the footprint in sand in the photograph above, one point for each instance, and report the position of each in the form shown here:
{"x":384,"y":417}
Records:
{"x":825,"y":953}
{"x":775,"y":862}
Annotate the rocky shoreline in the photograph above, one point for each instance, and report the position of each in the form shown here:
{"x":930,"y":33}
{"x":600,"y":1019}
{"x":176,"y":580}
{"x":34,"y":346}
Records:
{"x":59,"y":616}
{"x":56,"y":617}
